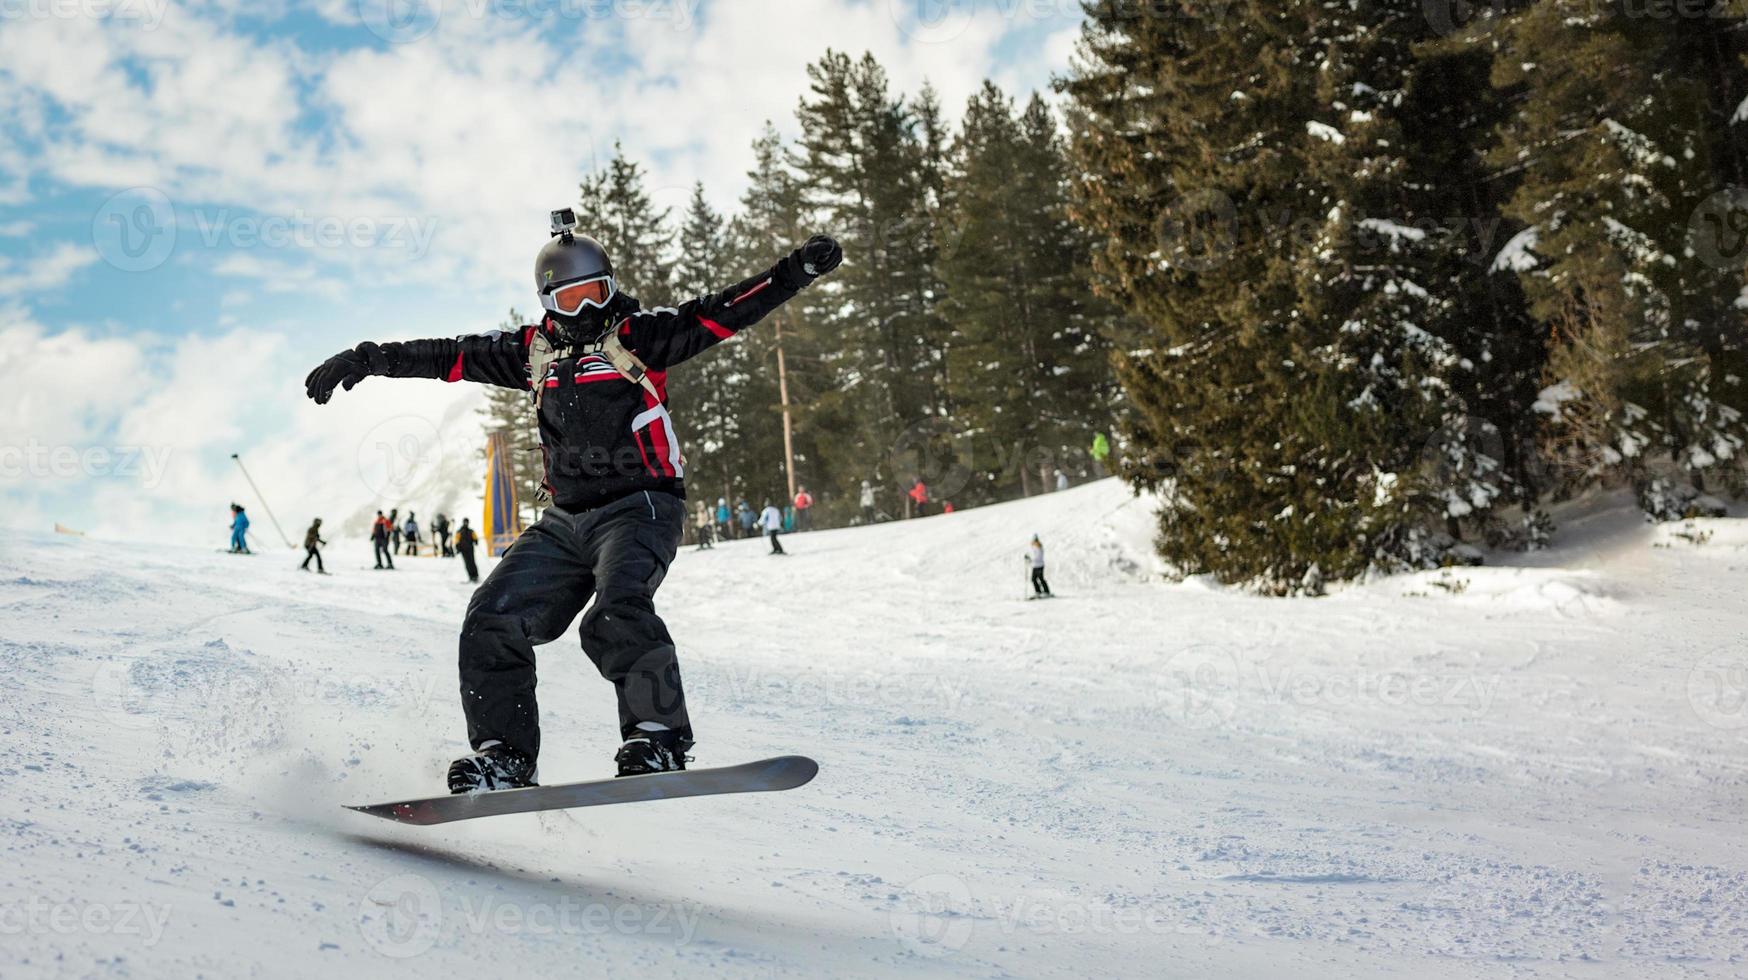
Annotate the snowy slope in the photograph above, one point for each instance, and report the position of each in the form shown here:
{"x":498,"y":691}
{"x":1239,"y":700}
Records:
{"x":1530,"y":770}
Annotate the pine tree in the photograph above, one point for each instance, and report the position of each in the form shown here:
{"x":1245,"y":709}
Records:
{"x":1027,"y":357}
{"x":705,"y":388}
{"x":771,"y":222}
{"x":1247,"y":179}
{"x":862,"y":165}
{"x":616,"y":209}
{"x":1625,"y":138}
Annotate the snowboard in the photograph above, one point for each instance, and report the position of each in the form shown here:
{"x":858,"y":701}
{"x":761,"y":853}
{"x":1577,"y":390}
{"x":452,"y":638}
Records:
{"x":766,"y":775}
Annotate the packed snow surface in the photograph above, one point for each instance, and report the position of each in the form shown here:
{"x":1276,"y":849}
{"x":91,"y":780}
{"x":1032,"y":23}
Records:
{"x":1535,"y":769}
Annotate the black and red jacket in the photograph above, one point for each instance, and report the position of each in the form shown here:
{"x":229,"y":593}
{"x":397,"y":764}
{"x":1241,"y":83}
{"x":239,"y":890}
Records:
{"x":603,"y":437}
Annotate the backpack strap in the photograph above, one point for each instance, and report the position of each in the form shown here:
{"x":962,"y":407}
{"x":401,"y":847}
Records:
{"x":627,"y":364}
{"x":541,"y":354}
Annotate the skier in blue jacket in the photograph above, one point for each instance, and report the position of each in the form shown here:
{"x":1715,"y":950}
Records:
{"x":239,"y":530}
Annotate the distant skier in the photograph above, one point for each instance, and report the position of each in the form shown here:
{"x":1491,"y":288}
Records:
{"x":919,"y":496}
{"x":239,"y":530}
{"x":748,"y":519}
{"x":1061,"y":481}
{"x":772,"y":519}
{"x":803,"y":510}
{"x":464,"y":543}
{"x":440,"y":536}
{"x":312,"y":543}
{"x":724,"y":519}
{"x":867,"y":502}
{"x":379,"y":538}
{"x":411,"y":530}
{"x":1101,"y":452}
{"x":394,"y":529}
{"x":597,"y":366}
{"x":702,"y":522}
{"x":1035,"y":554}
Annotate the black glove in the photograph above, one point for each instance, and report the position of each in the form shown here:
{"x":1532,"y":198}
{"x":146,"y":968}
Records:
{"x":820,"y":255}
{"x":346,"y":369}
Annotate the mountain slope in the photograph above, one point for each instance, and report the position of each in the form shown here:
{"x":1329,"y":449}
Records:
{"x":1535,"y":769}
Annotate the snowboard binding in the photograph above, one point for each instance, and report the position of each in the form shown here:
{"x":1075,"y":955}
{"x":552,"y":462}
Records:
{"x":495,"y":766}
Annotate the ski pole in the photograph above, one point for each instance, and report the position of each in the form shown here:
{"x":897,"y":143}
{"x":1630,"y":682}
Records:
{"x":263,"y":499}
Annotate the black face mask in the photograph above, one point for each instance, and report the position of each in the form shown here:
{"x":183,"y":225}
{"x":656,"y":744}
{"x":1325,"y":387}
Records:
{"x":586,"y":327}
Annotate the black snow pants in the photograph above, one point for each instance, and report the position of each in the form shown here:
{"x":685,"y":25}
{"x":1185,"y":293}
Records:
{"x":309,"y":553}
{"x":1039,"y":586}
{"x":467,"y":560}
{"x":618,"y":553}
{"x":383,"y":559}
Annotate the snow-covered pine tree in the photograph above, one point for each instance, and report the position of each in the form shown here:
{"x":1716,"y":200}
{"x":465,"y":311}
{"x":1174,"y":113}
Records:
{"x":1628,"y":135}
{"x":1294,"y":369}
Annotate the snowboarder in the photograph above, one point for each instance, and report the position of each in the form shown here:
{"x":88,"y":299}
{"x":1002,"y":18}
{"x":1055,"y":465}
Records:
{"x":379,"y":538}
{"x":867,"y":502}
{"x":464,"y":543}
{"x":411,"y":531}
{"x":597,"y":367}
{"x":312,"y":542}
{"x":747,"y":517}
{"x":803,"y":510}
{"x":1035,"y":555}
{"x":239,"y":530}
{"x":772,"y":519}
{"x":919,"y":495}
{"x":394,"y":528}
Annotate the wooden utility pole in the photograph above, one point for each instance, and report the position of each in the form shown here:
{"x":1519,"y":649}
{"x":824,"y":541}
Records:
{"x":788,"y":422}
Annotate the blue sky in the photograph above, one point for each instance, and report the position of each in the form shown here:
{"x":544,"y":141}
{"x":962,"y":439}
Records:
{"x":201,"y":200}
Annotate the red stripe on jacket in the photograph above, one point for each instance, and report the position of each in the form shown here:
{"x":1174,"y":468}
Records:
{"x":721,"y":332}
{"x":455,"y":372}
{"x":751,"y":292}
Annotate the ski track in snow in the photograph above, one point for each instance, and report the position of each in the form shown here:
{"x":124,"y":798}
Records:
{"x":1532,"y":770}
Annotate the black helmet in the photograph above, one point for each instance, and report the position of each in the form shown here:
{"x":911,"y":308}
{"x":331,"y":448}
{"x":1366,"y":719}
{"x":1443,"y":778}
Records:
{"x":572,"y":258}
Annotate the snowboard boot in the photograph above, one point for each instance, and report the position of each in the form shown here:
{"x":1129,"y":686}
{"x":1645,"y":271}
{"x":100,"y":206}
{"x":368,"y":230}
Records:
{"x":647,"y":752}
{"x":495,"y":766}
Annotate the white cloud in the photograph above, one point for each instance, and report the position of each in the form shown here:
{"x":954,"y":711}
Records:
{"x":43,"y":272}
{"x":478,"y":129}
{"x":164,"y":417}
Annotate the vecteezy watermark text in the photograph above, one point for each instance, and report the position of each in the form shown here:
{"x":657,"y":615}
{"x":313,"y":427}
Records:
{"x":36,"y":461}
{"x":37,"y":916}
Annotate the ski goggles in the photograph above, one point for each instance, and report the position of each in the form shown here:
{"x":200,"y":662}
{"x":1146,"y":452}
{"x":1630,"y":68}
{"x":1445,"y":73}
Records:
{"x":572,"y":298}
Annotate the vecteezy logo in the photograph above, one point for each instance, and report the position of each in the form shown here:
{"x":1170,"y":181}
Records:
{"x":399,"y":457}
{"x":1717,"y":688}
{"x":935,"y":918}
{"x":401,"y":916}
{"x":1719,"y":229}
{"x":1198,"y":231}
{"x":1197,"y":687}
{"x":399,"y":21}
{"x":135,"y":229}
{"x":1446,"y":17}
